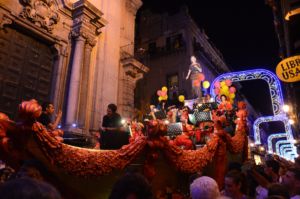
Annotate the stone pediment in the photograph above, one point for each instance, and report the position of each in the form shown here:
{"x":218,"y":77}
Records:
{"x":41,"y":12}
{"x":131,"y":63}
{"x":133,"y":5}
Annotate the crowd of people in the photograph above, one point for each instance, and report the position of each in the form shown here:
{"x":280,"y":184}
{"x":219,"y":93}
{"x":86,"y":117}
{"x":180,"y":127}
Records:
{"x":275,"y":178}
{"x":113,"y":134}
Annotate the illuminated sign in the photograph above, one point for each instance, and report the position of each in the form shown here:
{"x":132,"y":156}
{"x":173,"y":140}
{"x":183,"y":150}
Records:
{"x":256,"y":74}
{"x":288,"y":70}
{"x":280,"y":118}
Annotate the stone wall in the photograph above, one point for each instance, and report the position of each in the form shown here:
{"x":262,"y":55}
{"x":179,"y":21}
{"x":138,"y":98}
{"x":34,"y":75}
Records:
{"x":90,"y":70}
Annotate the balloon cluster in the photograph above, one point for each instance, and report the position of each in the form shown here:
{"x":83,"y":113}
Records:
{"x":225,"y":88}
{"x":199,"y":79}
{"x":162,"y":94}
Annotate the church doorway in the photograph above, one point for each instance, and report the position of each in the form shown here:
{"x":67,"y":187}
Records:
{"x":26,"y":69}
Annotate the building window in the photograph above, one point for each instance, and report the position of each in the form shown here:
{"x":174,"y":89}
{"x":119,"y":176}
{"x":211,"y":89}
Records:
{"x":174,"y":42}
{"x":196,"y":45}
{"x":177,"y":41}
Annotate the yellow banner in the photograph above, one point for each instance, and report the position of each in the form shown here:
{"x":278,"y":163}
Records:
{"x":288,"y":70}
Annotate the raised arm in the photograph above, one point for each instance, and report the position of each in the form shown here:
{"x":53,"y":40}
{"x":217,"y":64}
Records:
{"x":188,"y":75}
{"x":54,"y":125}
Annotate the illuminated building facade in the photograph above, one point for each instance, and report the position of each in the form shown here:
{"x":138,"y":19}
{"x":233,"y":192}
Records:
{"x":166,"y":41}
{"x":70,"y":52}
{"x":287,"y":22}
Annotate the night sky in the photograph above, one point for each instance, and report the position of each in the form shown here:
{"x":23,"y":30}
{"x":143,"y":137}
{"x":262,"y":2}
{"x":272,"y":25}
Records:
{"x":242,"y":30}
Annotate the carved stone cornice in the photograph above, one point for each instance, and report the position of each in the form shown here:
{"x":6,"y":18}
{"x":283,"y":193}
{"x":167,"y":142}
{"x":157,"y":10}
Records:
{"x":133,"y":5}
{"x":133,"y":68}
{"x":40,"y":12}
{"x":60,"y":49}
{"x":91,"y":41}
{"x":131,"y":61}
{"x":7,"y":17}
{"x":5,"y":20}
{"x":86,"y":15}
{"x":85,"y":35}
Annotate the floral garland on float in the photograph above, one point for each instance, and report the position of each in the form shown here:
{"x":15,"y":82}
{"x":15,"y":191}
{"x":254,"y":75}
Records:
{"x":29,"y":138}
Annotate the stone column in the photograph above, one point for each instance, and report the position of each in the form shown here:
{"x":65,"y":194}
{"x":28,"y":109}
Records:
{"x":59,"y":75}
{"x":87,"y":22}
{"x":74,"y":83}
{"x":127,"y":98}
{"x":132,"y":71}
{"x":85,"y":85}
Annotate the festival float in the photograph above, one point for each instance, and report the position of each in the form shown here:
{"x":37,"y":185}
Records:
{"x":164,"y":157}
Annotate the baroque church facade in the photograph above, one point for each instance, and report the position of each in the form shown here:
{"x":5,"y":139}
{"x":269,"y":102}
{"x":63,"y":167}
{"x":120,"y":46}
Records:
{"x":73,"y":53}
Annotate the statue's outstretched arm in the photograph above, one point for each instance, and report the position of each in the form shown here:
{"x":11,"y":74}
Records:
{"x":188,"y":75}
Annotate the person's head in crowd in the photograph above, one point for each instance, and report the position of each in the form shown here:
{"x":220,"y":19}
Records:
{"x":291,"y":180}
{"x":260,"y":169}
{"x":278,"y":190}
{"x":131,"y":186}
{"x":186,"y":109}
{"x":204,"y":188}
{"x":48,"y":108}
{"x":111,"y":109}
{"x":234,"y":184}
{"x":194,"y":177}
{"x":272,"y":169}
{"x":235,"y":166}
{"x":26,"y":188}
{"x":32,"y":169}
{"x":207,"y":98}
{"x":282,"y":170}
{"x":251,"y":180}
{"x":6,"y":173}
{"x":152,"y":108}
{"x":163,"y":105}
{"x":223,"y":98}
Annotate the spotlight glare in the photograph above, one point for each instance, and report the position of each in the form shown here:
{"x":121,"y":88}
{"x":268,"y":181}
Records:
{"x":286,"y":108}
{"x":74,"y":125}
{"x":294,"y":141}
{"x":261,"y":148}
{"x":291,"y":121}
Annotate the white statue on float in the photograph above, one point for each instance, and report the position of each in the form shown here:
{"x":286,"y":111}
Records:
{"x":195,"y":75}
